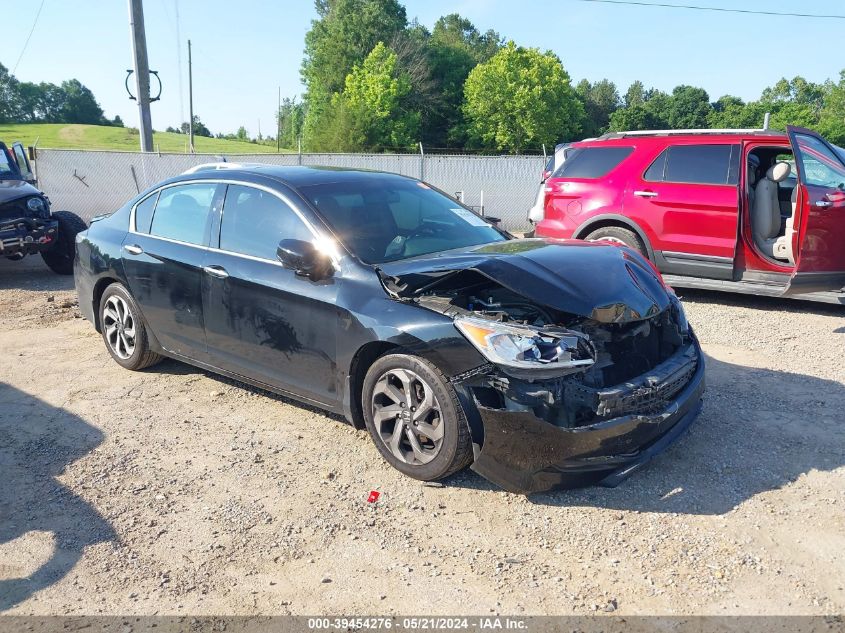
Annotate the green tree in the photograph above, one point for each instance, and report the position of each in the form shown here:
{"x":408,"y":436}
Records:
{"x":794,"y":113}
{"x":242,"y":134}
{"x":344,"y":34}
{"x":689,"y":108}
{"x":600,"y":100}
{"x":635,"y":95}
{"x":199,"y":128}
{"x":79,"y":105}
{"x":9,"y":96}
{"x":521,"y":98}
{"x":290,"y":119}
{"x":644,"y":110}
{"x":832,"y":116}
{"x":413,"y":59}
{"x":456,"y":47}
{"x":375,"y":94}
{"x":634,"y":117}
{"x":796,"y":90}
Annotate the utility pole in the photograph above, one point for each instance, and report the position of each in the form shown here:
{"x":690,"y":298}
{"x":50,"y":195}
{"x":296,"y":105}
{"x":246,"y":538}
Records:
{"x":279,"y":123}
{"x":190,"y":102}
{"x":142,"y":72}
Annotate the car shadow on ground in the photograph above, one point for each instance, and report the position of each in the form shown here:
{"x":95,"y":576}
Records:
{"x":37,"y":442}
{"x":31,"y":273}
{"x":759,"y":430}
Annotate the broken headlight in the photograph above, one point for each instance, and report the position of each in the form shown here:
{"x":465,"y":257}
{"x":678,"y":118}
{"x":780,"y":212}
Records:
{"x":526,"y":348}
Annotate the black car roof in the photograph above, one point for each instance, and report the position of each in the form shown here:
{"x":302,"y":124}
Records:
{"x":294,"y":177}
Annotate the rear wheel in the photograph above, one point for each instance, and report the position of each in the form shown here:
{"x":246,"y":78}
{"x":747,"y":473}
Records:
{"x":60,"y":257}
{"x":414,"y":418}
{"x":618,"y":235}
{"x":123,"y":329}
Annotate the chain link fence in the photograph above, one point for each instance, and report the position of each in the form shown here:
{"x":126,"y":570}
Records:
{"x":90,"y":183}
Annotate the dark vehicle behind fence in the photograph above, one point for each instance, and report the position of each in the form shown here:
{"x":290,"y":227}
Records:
{"x":541,"y":363}
{"x":27,"y":225}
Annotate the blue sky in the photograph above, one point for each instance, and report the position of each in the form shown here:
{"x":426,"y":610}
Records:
{"x":244,"y":51}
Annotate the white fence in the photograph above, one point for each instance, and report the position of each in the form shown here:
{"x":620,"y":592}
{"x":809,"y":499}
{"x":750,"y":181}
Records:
{"x":90,"y":183}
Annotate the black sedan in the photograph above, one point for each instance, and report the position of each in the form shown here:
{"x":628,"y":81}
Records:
{"x":541,"y":363}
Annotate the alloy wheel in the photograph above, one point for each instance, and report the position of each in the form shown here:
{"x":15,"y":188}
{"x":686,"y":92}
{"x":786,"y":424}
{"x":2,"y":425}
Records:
{"x":119,"y":326}
{"x":407,"y":416}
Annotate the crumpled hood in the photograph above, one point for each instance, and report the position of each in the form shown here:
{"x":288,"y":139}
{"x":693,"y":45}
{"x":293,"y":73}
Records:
{"x":14,"y":189}
{"x":601,"y":281}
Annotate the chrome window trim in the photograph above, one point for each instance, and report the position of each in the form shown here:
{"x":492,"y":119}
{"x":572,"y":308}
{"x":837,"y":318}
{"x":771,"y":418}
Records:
{"x":226,"y":181}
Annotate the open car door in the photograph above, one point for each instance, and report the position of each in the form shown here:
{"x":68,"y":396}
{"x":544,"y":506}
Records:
{"x":23,"y":163}
{"x":819,"y":215}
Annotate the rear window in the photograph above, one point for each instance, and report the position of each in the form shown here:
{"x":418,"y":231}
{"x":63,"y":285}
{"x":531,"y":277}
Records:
{"x":592,"y":162}
{"x":696,"y":164}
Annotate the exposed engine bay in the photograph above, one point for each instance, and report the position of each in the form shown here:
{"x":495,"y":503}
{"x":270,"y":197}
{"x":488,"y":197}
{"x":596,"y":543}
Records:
{"x":593,"y":371}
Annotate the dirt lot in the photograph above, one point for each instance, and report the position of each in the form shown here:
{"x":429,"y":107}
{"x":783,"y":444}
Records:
{"x":173,"y":491}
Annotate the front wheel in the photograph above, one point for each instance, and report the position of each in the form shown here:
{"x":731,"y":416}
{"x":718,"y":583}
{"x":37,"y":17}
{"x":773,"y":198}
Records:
{"x":60,"y":257}
{"x":123,"y":329}
{"x":414,"y":417}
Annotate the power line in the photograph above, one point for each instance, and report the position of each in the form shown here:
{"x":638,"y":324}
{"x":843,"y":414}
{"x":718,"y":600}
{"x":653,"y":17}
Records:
{"x":666,"y":5}
{"x":28,"y":37}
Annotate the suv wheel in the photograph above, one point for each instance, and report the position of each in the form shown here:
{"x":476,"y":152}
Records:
{"x":414,"y":418}
{"x":60,"y":257}
{"x":124,"y":332}
{"x":618,"y":235}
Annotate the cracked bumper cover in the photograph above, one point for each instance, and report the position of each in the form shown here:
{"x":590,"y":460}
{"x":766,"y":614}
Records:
{"x":523,"y":453}
{"x":27,"y":235}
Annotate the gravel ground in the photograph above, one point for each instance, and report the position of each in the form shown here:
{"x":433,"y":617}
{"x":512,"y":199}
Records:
{"x":173,"y":491}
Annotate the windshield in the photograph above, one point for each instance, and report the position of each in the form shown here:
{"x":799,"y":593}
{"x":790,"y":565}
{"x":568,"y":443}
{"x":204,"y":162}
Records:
{"x":383,"y":220}
{"x":8,"y":168}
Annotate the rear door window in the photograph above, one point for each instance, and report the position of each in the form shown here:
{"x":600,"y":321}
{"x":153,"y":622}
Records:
{"x":696,"y":164}
{"x":255,"y":221}
{"x":592,"y":162}
{"x":182,"y":213}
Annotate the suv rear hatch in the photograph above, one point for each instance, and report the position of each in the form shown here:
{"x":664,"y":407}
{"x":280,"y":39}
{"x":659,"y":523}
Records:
{"x":585,"y":182}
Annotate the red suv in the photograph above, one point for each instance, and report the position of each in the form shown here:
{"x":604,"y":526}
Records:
{"x":751,"y":211}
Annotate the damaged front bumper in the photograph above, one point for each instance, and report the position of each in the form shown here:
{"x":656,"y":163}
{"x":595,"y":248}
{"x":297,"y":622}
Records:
{"x":26,"y":236}
{"x":524,"y":453}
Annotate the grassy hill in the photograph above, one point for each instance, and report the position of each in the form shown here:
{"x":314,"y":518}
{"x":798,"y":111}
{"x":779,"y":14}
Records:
{"x":65,"y":136}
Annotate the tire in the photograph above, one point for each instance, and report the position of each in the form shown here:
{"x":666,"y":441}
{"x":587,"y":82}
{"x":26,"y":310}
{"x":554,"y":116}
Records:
{"x":529,"y":234}
{"x":450,"y":448}
{"x":118,"y":309}
{"x":60,"y":257}
{"x":618,"y":234}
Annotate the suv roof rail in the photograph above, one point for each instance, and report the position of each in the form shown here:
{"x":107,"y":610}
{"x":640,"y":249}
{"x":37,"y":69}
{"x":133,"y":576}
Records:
{"x":217,"y":166}
{"x":610,"y":135}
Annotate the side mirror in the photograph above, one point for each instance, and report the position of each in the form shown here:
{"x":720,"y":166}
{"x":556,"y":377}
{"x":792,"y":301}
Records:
{"x":304,"y":259}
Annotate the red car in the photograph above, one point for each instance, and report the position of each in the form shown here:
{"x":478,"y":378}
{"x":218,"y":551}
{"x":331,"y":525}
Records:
{"x":751,"y":211}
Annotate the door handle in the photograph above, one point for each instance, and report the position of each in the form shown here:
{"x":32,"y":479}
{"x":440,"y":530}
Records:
{"x":134,"y":249}
{"x":646,"y":194}
{"x":823,"y":204}
{"x":216,"y":271}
